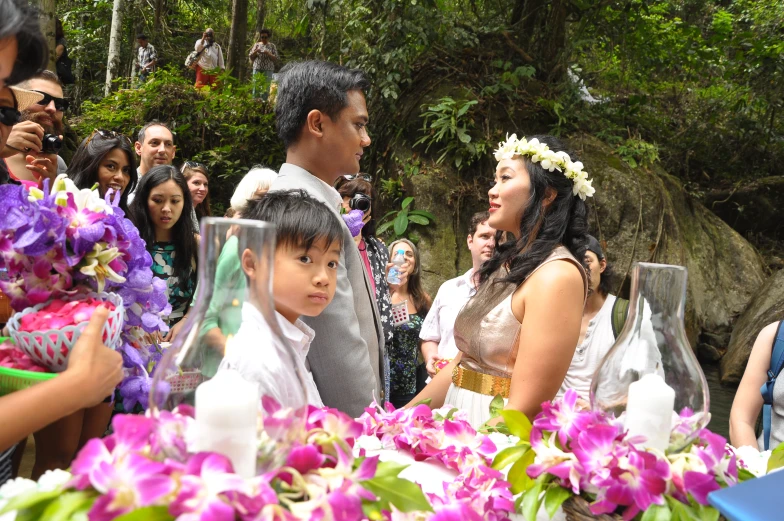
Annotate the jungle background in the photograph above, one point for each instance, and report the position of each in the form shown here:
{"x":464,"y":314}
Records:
{"x":674,"y":106}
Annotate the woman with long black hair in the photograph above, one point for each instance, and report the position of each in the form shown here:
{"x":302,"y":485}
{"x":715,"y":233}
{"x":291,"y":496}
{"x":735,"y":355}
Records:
{"x":161,"y":211}
{"x":518,"y":334}
{"x":107,"y":159}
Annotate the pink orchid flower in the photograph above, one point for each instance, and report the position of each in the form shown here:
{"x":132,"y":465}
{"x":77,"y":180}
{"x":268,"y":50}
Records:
{"x":204,"y":485}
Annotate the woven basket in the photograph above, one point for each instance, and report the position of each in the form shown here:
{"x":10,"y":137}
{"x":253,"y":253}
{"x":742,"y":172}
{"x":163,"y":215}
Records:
{"x":51,"y":348}
{"x":12,"y":380}
{"x":578,"y":509}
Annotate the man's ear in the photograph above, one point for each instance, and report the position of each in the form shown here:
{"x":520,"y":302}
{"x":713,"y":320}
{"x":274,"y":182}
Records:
{"x":248,"y":263}
{"x":138,"y":147}
{"x":314,"y":123}
{"x":602,"y":265}
{"x":470,"y":240}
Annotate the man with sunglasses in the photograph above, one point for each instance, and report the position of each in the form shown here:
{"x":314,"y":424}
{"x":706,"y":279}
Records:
{"x":23,"y":154}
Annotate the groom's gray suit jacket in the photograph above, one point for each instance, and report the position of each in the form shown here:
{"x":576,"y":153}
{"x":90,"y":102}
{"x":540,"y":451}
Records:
{"x":346,"y":356}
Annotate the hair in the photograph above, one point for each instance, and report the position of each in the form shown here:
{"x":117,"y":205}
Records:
{"x":83,"y":169}
{"x":19,"y":19}
{"x":542,"y":229}
{"x":258,"y":178}
{"x":265,"y":31}
{"x":183,"y":232}
{"x":355,"y":186}
{"x":153,"y":123}
{"x":45,"y":75}
{"x":477,"y":219}
{"x":203,"y":208}
{"x":142,"y":36}
{"x":312,"y":85}
{"x":300,"y":220}
{"x":421,"y":299}
{"x":58,"y":29}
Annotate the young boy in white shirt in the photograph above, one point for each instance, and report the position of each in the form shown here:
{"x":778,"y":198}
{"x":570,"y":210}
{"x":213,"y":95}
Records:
{"x":307,"y":253}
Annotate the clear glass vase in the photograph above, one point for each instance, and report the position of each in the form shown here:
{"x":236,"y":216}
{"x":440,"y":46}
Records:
{"x":231,"y":352}
{"x":650,"y":378}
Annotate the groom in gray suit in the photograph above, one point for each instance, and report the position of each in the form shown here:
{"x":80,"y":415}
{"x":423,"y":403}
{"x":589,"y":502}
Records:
{"x":322,"y":119}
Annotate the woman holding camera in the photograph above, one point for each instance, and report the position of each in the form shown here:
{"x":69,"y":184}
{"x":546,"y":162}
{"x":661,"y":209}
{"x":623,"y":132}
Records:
{"x":358,"y":194}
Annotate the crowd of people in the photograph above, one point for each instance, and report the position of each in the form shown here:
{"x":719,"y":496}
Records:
{"x":532,"y":317}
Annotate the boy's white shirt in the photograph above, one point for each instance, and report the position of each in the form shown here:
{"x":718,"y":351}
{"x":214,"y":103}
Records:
{"x":258,"y":355}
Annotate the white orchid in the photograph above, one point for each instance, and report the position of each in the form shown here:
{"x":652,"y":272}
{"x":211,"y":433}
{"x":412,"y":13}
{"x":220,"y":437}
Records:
{"x":540,"y":153}
{"x":98,"y":264}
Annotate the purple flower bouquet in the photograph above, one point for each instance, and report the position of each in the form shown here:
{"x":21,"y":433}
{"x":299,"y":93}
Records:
{"x":55,"y":244}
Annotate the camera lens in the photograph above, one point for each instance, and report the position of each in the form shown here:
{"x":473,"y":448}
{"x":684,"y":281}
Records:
{"x":360,"y":202}
{"x":51,"y":144}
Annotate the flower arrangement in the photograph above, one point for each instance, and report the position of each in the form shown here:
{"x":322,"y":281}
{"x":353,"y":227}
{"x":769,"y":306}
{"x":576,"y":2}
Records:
{"x":54,"y":244}
{"x":568,"y":451}
{"x":144,"y":471}
{"x":540,"y":153}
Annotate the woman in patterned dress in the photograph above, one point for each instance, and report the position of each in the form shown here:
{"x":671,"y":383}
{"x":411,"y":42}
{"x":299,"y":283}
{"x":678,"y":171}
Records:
{"x":407,"y":371}
{"x":161,"y":211}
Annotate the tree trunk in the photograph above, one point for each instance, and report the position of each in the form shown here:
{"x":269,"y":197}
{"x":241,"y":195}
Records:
{"x":540,"y":30}
{"x":157,"y":22}
{"x":115,"y":39}
{"x":46,"y":19}
{"x":261,"y":14}
{"x":239,"y":30}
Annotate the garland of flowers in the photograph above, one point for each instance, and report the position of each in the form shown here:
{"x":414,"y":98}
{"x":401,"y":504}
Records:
{"x":540,"y":153}
{"x":569,"y":451}
{"x":55,"y":243}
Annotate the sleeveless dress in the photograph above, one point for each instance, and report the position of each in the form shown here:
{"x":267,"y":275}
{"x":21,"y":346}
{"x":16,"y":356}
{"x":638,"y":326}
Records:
{"x":487,"y":333}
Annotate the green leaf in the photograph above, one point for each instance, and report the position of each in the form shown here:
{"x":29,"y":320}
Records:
{"x":776,"y":458}
{"x":509,"y":456}
{"x":159,"y":513}
{"x":496,"y":406}
{"x":418,"y":219}
{"x":61,"y":508}
{"x":532,"y":501}
{"x":517,"y":476}
{"x":407,"y":202}
{"x":423,"y":213}
{"x":657,"y":513}
{"x":384,"y":227}
{"x":389,"y":468}
{"x":518,"y":423}
{"x":405,"y":495}
{"x":745,"y":475}
{"x":401,"y":222}
{"x":30,"y":499}
{"x":554,"y":498}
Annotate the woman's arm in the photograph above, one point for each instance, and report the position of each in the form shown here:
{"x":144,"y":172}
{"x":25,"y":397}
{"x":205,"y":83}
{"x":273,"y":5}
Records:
{"x":748,"y":400}
{"x":58,"y":51}
{"x":436,"y":390}
{"x":551,"y":306}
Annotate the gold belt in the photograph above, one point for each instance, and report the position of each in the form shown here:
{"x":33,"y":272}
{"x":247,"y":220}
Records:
{"x":481,"y":383}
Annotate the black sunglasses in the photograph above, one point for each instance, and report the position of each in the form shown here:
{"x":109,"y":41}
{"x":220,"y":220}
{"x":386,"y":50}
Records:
{"x":9,"y":116}
{"x":60,"y":104}
{"x":107,"y":134}
{"x":349,"y":177}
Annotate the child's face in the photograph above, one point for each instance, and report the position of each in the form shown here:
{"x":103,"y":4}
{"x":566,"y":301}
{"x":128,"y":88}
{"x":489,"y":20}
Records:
{"x":304,"y":281}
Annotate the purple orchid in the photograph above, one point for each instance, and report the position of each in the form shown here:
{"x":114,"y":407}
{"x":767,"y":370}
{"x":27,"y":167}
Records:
{"x":564,"y":417}
{"x":207,"y":478}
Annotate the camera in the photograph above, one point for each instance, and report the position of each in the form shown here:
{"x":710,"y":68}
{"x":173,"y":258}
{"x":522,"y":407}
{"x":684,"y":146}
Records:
{"x":360,"y":202}
{"x":51,"y":144}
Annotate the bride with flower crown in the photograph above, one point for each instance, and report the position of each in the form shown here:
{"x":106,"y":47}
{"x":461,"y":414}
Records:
{"x":517,"y":335}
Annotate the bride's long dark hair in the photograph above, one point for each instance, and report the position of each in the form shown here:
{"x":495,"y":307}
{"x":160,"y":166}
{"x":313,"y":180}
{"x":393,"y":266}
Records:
{"x":542,"y":228}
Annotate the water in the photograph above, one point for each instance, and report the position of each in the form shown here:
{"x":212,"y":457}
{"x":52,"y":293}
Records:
{"x":720,"y":401}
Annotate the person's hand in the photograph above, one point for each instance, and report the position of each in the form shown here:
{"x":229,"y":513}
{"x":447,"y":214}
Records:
{"x":42,"y":166}
{"x":174,"y":331}
{"x":95,"y":368}
{"x":430,"y":364}
{"x":203,"y":35}
{"x":25,"y":136}
{"x":403,"y":276}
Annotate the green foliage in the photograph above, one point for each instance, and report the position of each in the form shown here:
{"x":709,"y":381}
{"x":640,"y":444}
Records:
{"x":449,"y":125}
{"x":225,"y":128}
{"x":637,"y":152}
{"x":399,"y":222}
{"x":405,"y":495}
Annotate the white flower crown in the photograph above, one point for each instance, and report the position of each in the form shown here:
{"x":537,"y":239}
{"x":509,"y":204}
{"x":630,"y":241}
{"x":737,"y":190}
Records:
{"x":541,"y":153}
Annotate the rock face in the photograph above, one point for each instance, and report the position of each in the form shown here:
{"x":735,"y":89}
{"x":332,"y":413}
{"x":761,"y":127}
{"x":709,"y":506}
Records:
{"x":766,"y":307}
{"x":645,"y":215}
{"x":751,"y":207}
{"x":640,"y":215}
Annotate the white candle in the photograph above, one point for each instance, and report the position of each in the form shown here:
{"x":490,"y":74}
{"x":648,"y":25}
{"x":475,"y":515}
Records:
{"x":649,"y":411}
{"x":226,"y":419}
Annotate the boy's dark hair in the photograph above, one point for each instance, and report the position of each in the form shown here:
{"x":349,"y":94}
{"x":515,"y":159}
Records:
{"x":267,"y":32}
{"x":141,"y":36}
{"x":20,"y":20}
{"x":299,"y":219}
{"x":312,"y":85}
{"x":477,"y":219}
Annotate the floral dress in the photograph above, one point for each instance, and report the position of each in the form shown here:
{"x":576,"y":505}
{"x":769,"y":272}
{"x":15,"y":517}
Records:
{"x":403,"y":352}
{"x":180,"y":296}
